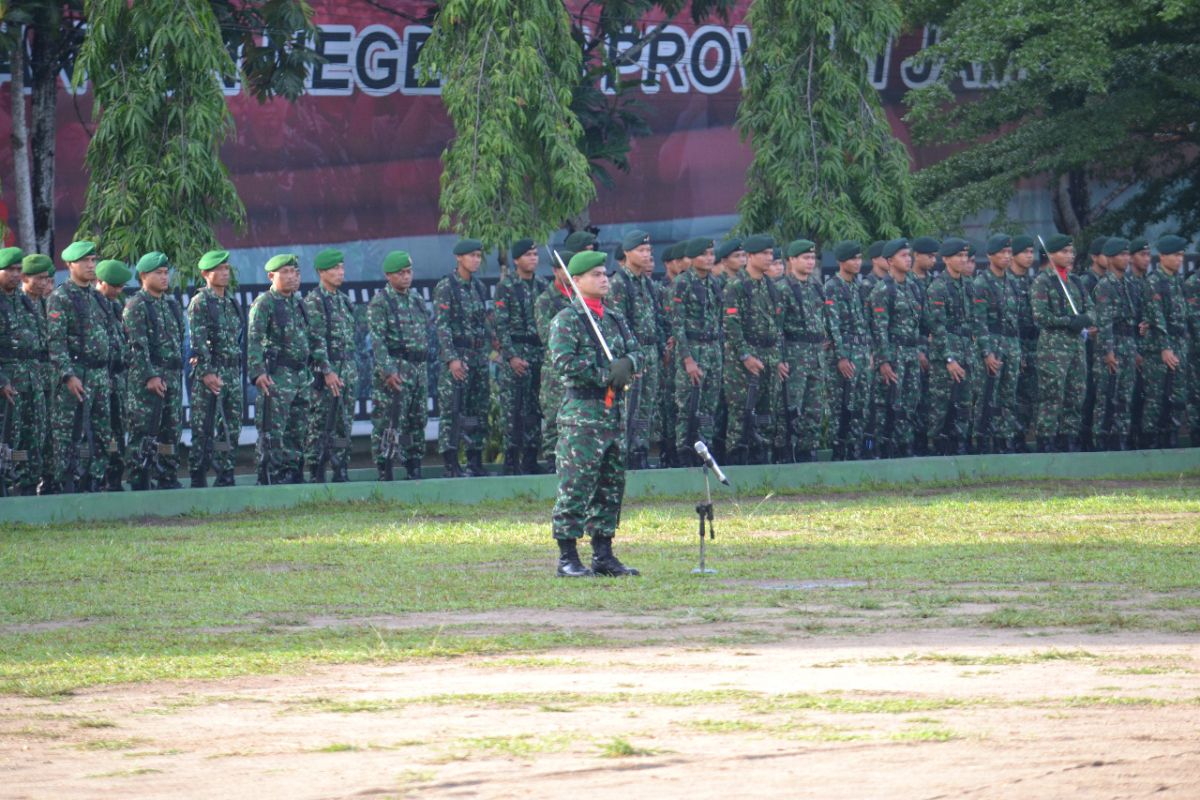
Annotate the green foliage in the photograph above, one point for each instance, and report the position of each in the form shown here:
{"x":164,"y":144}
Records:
{"x":273,"y":37}
{"x":508,"y":70}
{"x":1105,"y":90}
{"x":825,"y":165}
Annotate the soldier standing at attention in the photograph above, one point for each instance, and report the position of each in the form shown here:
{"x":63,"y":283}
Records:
{"x":579,"y":241}
{"x":545,"y":309}
{"x":631,"y":293}
{"x":997,"y":316}
{"x":925,"y":253}
{"x":673,"y":265}
{"x":866,"y":285}
{"x":1116,"y":341}
{"x":1097,"y":269}
{"x":1061,"y":310}
{"x":695,"y":326}
{"x":281,"y":355}
{"x":111,"y":277}
{"x":730,"y":260}
{"x":215,"y":322}
{"x":37,"y":281}
{"x":1021,"y":276}
{"x":850,"y":353}
{"x":521,"y":352}
{"x":895,"y":307}
{"x":22,"y":400}
{"x":952,"y":367}
{"x":399,"y":325}
{"x":1191,"y":293}
{"x":80,"y":350}
{"x":800,"y":409}
{"x":591,"y":444}
{"x":1166,"y":369}
{"x":1139,"y":266}
{"x":331,"y":318}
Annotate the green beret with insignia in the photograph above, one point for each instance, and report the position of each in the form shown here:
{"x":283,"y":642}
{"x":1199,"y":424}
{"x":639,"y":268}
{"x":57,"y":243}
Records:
{"x":78,"y":250}
{"x":844,"y":251}
{"x":276,"y":263}
{"x":1170,"y":244}
{"x":113,"y":272}
{"x":799,"y":247}
{"x":520,"y":247}
{"x":894,"y":246}
{"x":875,"y":250}
{"x":465,"y":246}
{"x":634,"y":239}
{"x":396,"y":261}
{"x":696,"y":247}
{"x":1139,"y":244}
{"x":997,"y":242}
{"x":586,"y":261}
{"x":926,"y":245}
{"x":213,"y":259}
{"x":579,"y":240}
{"x":1115,"y":245}
{"x":953,"y":246}
{"x":36,"y":264}
{"x":1056,"y":242}
{"x":152,"y":261}
{"x":1022,"y":243}
{"x":727,"y":248}
{"x":10,"y":256}
{"x":328,"y":259}
{"x":758,"y":242}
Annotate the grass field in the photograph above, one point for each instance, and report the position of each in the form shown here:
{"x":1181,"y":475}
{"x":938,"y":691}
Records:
{"x":911,"y":583}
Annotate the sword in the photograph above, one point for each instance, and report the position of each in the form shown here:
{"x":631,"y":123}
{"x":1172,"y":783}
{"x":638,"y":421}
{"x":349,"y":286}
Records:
{"x":1063,"y":284}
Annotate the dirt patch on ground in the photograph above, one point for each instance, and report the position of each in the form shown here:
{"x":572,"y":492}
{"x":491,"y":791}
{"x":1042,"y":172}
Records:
{"x":43,"y":627}
{"x":906,"y":714}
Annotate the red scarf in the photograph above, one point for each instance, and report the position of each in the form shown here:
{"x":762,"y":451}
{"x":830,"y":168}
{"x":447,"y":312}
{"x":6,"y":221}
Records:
{"x":1062,"y":273}
{"x":596,"y":305}
{"x":562,"y":287}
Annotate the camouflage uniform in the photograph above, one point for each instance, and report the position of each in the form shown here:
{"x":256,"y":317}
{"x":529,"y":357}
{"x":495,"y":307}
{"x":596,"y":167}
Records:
{"x":996,"y":307}
{"x":635,"y":298}
{"x":516,"y":330}
{"x":279,"y":343}
{"x":896,"y":323}
{"x":118,"y":391}
{"x":216,"y":329}
{"x":666,"y":418}
{"x":753,"y":315}
{"x":1144,"y":344}
{"x":1027,"y":332}
{"x":1166,"y":309}
{"x":22,"y":345}
{"x":47,"y":377}
{"x":399,"y":324}
{"x":800,"y":404}
{"x":1116,"y":317}
{"x":695,"y":315}
{"x":920,"y":286}
{"x":871,"y":403}
{"x":1062,"y":371}
{"x":948,"y":317}
{"x":155,"y":329}
{"x":80,"y":347}
{"x":545,"y":308}
{"x":331,"y":319}
{"x":464,"y":334}
{"x":1191,"y":293}
{"x":1095,"y":370}
{"x":849,"y":338}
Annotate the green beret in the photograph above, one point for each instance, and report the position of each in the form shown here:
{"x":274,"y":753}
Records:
{"x":875,"y":250}
{"x":328,"y":259}
{"x":799,"y":247}
{"x":894,"y":246}
{"x":113,"y":272}
{"x":758,"y":242}
{"x":1139,"y":244}
{"x":777,"y":254}
{"x":566,"y":256}
{"x":36,"y":264}
{"x":10,"y":256}
{"x":634,"y":239}
{"x":1022,"y":243}
{"x":1170,"y":244}
{"x":579,"y":240}
{"x":396,"y":261}
{"x":844,"y":251}
{"x":1115,"y":245}
{"x":275,"y":263}
{"x":465,"y":246}
{"x":1056,"y":242}
{"x":586,"y":261}
{"x":998,"y":242}
{"x":727,"y":248}
{"x":78,"y":250}
{"x":696,"y":247}
{"x":953,"y":246}
{"x":213,"y":259}
{"x":152,"y":261}
{"x":970,"y":250}
{"x":1097,"y":246}
{"x":926,"y":245}
{"x":520,"y":247}
{"x":619,"y":253}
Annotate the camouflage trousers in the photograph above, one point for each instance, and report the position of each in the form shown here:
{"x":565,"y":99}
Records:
{"x":153,"y":453}
{"x":1062,"y":382}
{"x":27,"y":424}
{"x":411,"y":406}
{"x":1193,"y":401}
{"x":90,"y":460}
{"x":225,"y":411}
{"x":642,"y":425}
{"x":921,"y":418}
{"x":708,"y":358}
{"x":591,"y":480}
{"x":550,"y":398}
{"x":1094,"y":373}
{"x":320,"y":406}
{"x":998,"y":394}
{"x":520,"y":406}
{"x":952,"y":405}
{"x":118,"y":403}
{"x":1112,"y":417}
{"x":750,"y":431}
{"x":667,"y":411}
{"x":1165,"y":399}
{"x":476,"y":396}
{"x":896,"y":418}
{"x":1026,"y":388}
{"x":281,"y":421}
{"x":800,"y":402}
{"x":848,"y":405}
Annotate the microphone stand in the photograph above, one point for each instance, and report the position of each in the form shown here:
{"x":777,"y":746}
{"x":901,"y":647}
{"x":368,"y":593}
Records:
{"x":705,"y":513}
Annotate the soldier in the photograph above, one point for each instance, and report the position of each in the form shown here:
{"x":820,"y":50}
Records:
{"x":464,"y":340}
{"x":1166,"y":309}
{"x":1097,"y":269}
{"x":753,"y":366}
{"x":776,"y":269}
{"x":866,"y":285}
{"x":22,"y":400}
{"x":850,"y":353}
{"x":1061,"y":309}
{"x":673,"y":265}
{"x":630,"y":291}
{"x":591,"y":445}
{"x":1116,"y":341}
{"x":579,"y":241}
{"x":154,"y":324}
{"x":111,"y":277}
{"x":37,"y":282}
{"x":281,"y":357}
{"x":730,"y":259}
{"x":895,"y":307}
{"x":545,"y":308}
{"x":952,"y":364}
{"x":80,"y":350}
{"x":400,"y":332}
{"x":1027,"y":331}
{"x":996,"y":320}
{"x":1191,"y":293}
{"x":1136,"y":275}
{"x":331,"y":408}
{"x":695,"y":325}
{"x":521,"y":355}
{"x":925,"y":253}
{"x":216,"y":328}
{"x":800,"y":404}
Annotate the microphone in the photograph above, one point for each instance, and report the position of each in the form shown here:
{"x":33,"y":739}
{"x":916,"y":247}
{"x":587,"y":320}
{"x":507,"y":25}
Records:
{"x":710,"y":462}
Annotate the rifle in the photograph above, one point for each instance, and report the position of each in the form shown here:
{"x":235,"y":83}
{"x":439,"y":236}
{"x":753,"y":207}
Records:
{"x":956,"y":393}
{"x":1110,"y":411}
{"x":517,"y":413}
{"x":209,"y":429}
{"x":988,"y":413}
{"x":264,"y":449}
{"x":693,"y":426}
{"x":750,"y":434}
{"x":389,"y":440}
{"x":1166,"y":423}
{"x":71,"y":472}
{"x":843,"y":429}
{"x":148,"y":447}
{"x":6,"y":450}
{"x":325,"y":452}
{"x":456,"y":415}
{"x":1137,"y":411}
{"x":888,"y":434}
{"x":633,"y":426}
{"x":791,"y":414}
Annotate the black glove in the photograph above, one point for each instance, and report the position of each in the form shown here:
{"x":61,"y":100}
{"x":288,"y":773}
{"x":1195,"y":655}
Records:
{"x":1080,"y":321}
{"x":620,"y":372}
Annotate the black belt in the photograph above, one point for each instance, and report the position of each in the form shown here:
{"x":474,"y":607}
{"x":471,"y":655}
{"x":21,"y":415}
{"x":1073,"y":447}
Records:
{"x":167,"y":363}
{"x":701,"y":336}
{"x":1124,"y":330}
{"x":855,"y":340}
{"x":89,"y":363}
{"x":471,"y":342}
{"x":525,"y":338}
{"x":1002,"y":330}
{"x":290,"y":363}
{"x":1176,"y":331}
{"x":415,"y":356}
{"x":586,"y":393}
{"x":810,"y":338}
{"x":337,"y":356}
{"x":905,"y":341}
{"x":966,"y":333}
{"x":762,"y":341}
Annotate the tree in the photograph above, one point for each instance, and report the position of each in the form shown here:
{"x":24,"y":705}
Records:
{"x":825,"y":162}
{"x":1080,"y":94}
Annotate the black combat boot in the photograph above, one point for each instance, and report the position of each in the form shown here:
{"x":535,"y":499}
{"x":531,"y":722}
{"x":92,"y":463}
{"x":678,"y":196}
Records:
{"x":552,"y":465}
{"x":735,"y":457}
{"x":569,"y":565}
{"x":475,"y":464}
{"x":451,"y":468}
{"x":412,"y":469}
{"x":29,"y":491}
{"x":168,"y":481}
{"x":605,"y":563}
{"x":1073,"y":444}
{"x":112,"y":481}
{"x":920,"y":444}
{"x":512,"y":464}
{"x":529,"y":464}
{"x":316,"y":475}
{"x":341,"y":474}
{"x":224,"y":479}
{"x":782,"y":455}
{"x":686,"y":458}
{"x":199,"y":480}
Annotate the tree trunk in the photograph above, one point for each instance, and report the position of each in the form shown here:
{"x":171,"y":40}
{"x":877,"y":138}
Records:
{"x":22,"y":181}
{"x":1064,"y":212}
{"x":45,"y":63}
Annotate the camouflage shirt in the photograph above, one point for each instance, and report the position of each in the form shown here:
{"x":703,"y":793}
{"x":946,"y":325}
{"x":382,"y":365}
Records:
{"x":695,"y":310}
{"x":76,"y":328}
{"x":1021,"y":285}
{"x":216,"y":327}
{"x":845,"y":318}
{"x":995,"y":309}
{"x":895,"y":318}
{"x":399,"y":325}
{"x":1051,"y":307}
{"x":1191,"y":293}
{"x":1116,"y":314}
{"x":516,"y":323}
{"x":461,"y":315}
{"x":331,"y":322}
{"x":117,"y":334}
{"x":1166,"y":310}
{"x":546,"y":308}
{"x":279,"y":332}
{"x":753,"y":315}
{"x":582,"y":367}
{"x":803,"y":310}
{"x":155,"y":327}
{"x":948,"y":317}
{"x":22,"y":331}
{"x":635,"y":298}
